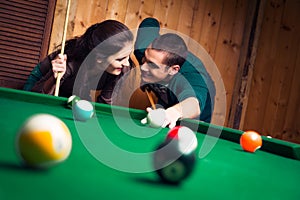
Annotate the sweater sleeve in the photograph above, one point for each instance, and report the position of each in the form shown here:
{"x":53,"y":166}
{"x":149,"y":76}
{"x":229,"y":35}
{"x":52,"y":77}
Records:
{"x":34,"y":77}
{"x":46,"y":81}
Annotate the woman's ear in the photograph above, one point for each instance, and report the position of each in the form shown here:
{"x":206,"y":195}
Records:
{"x":174,"y":69}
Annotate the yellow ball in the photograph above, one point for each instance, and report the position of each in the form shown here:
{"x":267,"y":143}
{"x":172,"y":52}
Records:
{"x":43,"y":141}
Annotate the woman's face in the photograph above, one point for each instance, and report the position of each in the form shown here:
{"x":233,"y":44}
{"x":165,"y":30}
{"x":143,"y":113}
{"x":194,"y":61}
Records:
{"x":119,"y":60}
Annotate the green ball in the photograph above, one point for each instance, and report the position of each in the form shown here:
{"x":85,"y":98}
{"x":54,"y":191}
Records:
{"x":72,"y":100}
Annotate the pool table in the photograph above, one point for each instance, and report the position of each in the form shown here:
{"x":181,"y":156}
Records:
{"x":111,"y":158}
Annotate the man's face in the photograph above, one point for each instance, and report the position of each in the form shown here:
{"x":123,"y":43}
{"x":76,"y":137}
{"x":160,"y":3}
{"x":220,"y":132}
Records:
{"x":153,"y":70}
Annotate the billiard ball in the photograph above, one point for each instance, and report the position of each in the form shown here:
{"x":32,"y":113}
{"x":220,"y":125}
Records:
{"x":250,"y":141}
{"x":187,"y":138}
{"x":171,"y":164}
{"x":43,"y":141}
{"x":83,"y":110}
{"x":173,"y":133}
{"x":155,"y":118}
{"x":72,"y":100}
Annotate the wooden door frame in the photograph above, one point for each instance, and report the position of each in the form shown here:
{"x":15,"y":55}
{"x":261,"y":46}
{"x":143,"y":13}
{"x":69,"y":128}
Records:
{"x":244,"y":76}
{"x":48,"y":29}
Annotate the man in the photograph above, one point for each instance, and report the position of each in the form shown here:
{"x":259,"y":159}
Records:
{"x":173,"y":74}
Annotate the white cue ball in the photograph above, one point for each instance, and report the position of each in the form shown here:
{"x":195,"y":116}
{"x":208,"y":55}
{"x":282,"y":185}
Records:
{"x":156,"y":118}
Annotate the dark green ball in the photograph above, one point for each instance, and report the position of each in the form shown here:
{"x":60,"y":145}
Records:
{"x":171,"y":164}
{"x":72,"y":100}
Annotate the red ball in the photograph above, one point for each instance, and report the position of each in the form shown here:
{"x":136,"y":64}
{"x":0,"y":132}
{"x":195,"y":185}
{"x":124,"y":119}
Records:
{"x":250,"y":141}
{"x":173,"y":133}
{"x":186,"y":138}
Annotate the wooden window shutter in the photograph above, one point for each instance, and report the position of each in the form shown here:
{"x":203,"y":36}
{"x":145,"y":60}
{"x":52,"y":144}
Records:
{"x":25,"y":27}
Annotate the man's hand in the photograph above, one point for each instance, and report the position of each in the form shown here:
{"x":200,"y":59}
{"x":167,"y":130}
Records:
{"x":170,"y":115}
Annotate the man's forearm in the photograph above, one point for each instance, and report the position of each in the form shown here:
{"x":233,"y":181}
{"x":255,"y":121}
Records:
{"x":189,"y":108}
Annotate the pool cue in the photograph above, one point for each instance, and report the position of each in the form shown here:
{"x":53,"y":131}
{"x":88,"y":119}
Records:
{"x":136,"y":63}
{"x":150,"y":99}
{"x":62,"y":47}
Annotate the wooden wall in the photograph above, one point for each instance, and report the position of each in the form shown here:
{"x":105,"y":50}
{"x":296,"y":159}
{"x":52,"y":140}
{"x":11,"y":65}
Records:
{"x":254,"y":45}
{"x":273,"y":106}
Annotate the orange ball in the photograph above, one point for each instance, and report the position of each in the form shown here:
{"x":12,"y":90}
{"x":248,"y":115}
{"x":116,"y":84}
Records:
{"x":250,"y":141}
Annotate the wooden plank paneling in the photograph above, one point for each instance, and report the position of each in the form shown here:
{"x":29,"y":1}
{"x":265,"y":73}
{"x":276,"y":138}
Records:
{"x":281,"y":79}
{"x":263,"y":71}
{"x":211,"y":25}
{"x":186,"y":18}
{"x":273,"y":95}
{"x":137,"y":11}
{"x":199,"y":12}
{"x":116,"y":10}
{"x":133,"y":14}
{"x":208,"y":40}
{"x":291,"y":129}
{"x":99,"y":13}
{"x":173,"y":21}
{"x":148,"y":9}
{"x":73,"y":28}
{"x":161,"y":10}
{"x":82,"y":19}
{"x":227,"y":47}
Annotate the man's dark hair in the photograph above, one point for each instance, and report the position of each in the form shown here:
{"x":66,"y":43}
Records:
{"x":174,"y":46}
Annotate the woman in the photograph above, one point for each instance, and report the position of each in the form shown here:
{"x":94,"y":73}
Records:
{"x":94,"y":61}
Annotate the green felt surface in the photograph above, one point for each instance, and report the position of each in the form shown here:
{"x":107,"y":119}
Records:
{"x":111,"y":159}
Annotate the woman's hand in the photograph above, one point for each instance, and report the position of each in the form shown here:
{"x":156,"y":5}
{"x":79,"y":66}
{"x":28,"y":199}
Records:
{"x":59,"y":65}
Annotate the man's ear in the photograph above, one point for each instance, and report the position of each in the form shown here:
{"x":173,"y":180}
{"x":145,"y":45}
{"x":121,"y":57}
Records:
{"x":174,"y":69}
